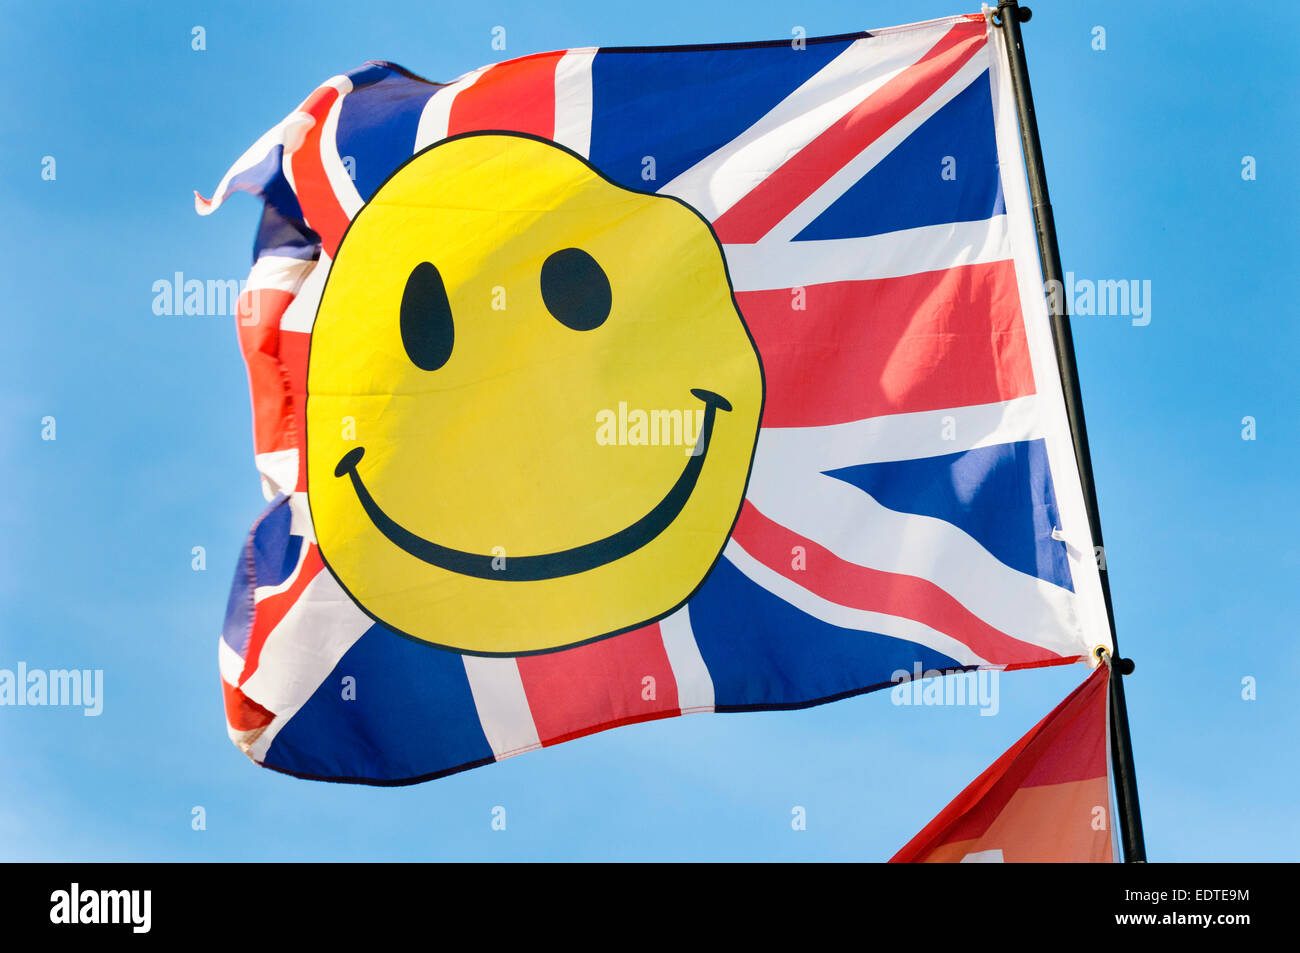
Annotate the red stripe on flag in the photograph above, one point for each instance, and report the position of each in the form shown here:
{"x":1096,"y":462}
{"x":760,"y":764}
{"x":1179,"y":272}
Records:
{"x":874,"y":590}
{"x":861,"y":349}
{"x":320,"y":206}
{"x":518,"y":95}
{"x":242,"y":713}
{"x":258,"y":325}
{"x":294,"y":348}
{"x":802,"y":174}
{"x":268,"y":613}
{"x":589,"y":688}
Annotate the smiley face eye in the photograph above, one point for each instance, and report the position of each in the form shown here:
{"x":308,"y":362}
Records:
{"x":425,"y":320}
{"x":575,"y":289}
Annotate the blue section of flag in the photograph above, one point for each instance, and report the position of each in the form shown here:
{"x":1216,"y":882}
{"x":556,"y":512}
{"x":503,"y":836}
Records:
{"x":907,"y":189}
{"x":412,"y":709}
{"x":763,"y":652}
{"x":378,"y":121}
{"x":239,"y":607}
{"x":267,"y":558}
{"x":274,"y":549}
{"x":649,"y":104}
{"x":282,"y":230}
{"x":285,"y":237}
{"x":1002,"y":496}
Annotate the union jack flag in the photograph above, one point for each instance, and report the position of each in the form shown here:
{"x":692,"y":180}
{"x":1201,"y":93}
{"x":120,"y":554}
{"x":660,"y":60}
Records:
{"x":914,"y":496}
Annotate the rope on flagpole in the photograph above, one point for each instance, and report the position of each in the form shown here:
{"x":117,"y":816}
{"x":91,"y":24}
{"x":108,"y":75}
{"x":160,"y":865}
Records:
{"x":1007,"y":17}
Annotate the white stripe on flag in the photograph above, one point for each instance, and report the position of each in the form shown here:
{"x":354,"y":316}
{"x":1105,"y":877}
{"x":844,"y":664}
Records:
{"x":232,"y":664}
{"x":279,"y":470}
{"x":845,"y":617}
{"x":866,"y":160}
{"x":902,"y":436}
{"x":300,"y":517}
{"x":278,"y":273}
{"x":299,"y":123}
{"x":721,"y":179}
{"x":780,"y":264}
{"x":573,"y":100}
{"x":852,"y":525}
{"x":694,"y":683}
{"x":288,"y":130}
{"x":301,"y":651}
{"x":1047,"y":379}
{"x":344,"y":188}
{"x":502,"y":704}
{"x":437,"y":111}
{"x":301,"y":313}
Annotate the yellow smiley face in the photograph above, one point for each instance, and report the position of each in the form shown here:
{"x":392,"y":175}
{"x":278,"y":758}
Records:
{"x":532,"y":402}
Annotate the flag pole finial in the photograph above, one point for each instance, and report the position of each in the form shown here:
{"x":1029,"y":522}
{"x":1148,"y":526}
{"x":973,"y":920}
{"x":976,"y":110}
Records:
{"x":1023,"y":14}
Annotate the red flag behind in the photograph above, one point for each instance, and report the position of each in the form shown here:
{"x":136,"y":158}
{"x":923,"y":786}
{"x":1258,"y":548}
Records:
{"x":1046,"y":799}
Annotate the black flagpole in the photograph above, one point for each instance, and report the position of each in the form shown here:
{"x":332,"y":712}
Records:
{"x":1008,"y":18}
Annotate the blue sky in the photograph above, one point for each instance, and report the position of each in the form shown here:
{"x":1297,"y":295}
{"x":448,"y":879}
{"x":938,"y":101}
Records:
{"x":1144,"y":144}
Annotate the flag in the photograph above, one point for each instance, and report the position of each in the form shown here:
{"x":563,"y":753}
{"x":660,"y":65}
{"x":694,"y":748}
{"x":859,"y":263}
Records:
{"x":608,"y":385}
{"x":1047,"y":799}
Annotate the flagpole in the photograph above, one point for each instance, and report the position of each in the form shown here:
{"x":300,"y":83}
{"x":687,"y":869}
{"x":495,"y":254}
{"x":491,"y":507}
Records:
{"x":1008,"y":17}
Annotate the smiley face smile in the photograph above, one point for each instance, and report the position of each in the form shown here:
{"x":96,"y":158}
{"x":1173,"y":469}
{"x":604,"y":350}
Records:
{"x":547,"y":565}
